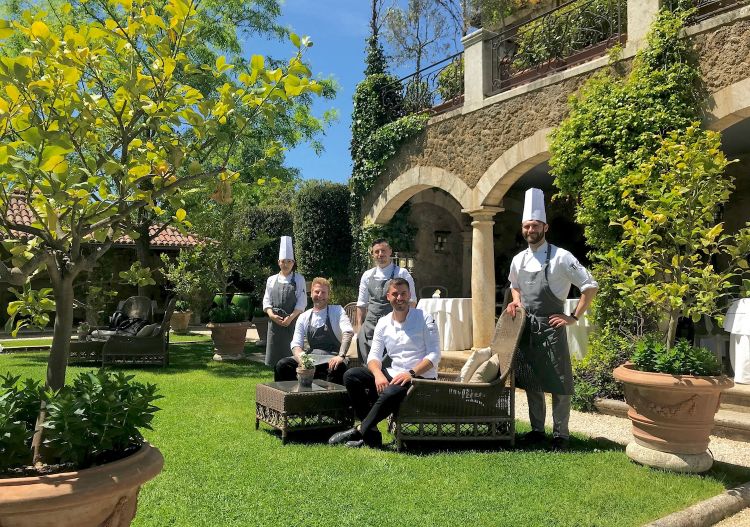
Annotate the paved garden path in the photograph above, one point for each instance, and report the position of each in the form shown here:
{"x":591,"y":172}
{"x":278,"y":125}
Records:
{"x":617,"y":429}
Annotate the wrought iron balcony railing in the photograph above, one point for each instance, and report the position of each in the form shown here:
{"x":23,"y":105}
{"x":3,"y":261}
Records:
{"x":705,"y":9}
{"x":571,"y":33}
{"x":436,"y":88}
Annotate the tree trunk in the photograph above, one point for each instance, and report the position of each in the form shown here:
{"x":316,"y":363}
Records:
{"x":672,"y":330}
{"x":58,"y":356}
{"x":143,"y":252}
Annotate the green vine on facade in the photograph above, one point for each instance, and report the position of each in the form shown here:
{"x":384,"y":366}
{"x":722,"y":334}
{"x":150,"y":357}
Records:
{"x":616,"y":123}
{"x":379,"y":128}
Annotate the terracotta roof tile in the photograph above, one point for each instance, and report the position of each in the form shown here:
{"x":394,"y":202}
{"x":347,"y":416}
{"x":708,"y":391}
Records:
{"x":19,"y":213}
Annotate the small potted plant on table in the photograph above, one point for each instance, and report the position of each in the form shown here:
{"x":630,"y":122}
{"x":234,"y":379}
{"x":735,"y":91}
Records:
{"x":306,"y":370}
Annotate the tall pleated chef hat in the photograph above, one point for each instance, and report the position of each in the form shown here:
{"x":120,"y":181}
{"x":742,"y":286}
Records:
{"x":285,"y":248}
{"x":533,"y":206}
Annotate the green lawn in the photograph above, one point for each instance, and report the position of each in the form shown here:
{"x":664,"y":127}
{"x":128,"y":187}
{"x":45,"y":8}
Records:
{"x":46,"y":341}
{"x":219,"y":471}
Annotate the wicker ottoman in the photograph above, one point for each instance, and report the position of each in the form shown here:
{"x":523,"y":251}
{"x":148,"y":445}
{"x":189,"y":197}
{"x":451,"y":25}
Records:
{"x":289,"y":407}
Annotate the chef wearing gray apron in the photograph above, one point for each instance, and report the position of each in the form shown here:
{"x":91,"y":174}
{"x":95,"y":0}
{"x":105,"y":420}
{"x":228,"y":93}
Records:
{"x":284,"y":299}
{"x":373,"y":289}
{"x":540,"y":278}
{"x":323,"y":345}
{"x":377,"y":307}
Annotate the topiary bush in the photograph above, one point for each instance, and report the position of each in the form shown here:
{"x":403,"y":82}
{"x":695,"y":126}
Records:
{"x":322,"y":235}
{"x":592,"y":375}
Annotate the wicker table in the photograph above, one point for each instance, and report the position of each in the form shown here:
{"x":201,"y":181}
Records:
{"x":290,"y":408}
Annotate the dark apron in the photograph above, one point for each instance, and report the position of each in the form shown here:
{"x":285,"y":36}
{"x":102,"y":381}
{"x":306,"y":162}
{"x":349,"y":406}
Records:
{"x":377,"y":307}
{"x":279,"y":338}
{"x":543,"y":363}
{"x":323,"y":340}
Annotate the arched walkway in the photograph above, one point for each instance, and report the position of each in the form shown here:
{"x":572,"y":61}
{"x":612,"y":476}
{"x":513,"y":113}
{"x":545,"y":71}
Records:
{"x":510,"y":166}
{"x":729,"y":106}
{"x":415,"y":180}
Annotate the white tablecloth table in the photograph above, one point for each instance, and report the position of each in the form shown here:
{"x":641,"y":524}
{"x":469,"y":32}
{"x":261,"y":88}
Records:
{"x":453,"y":319}
{"x":578,"y":334}
{"x":737,"y":322}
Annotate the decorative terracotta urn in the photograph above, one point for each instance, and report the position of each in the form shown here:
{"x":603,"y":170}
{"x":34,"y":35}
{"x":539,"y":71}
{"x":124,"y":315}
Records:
{"x":229,"y":339}
{"x":180,"y":321}
{"x":261,"y":325}
{"x":106,"y":495}
{"x":672,"y":415}
{"x":305,"y":377}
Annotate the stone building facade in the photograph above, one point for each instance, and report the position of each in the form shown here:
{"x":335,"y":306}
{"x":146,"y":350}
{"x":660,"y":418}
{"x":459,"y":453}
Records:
{"x":465,"y":175}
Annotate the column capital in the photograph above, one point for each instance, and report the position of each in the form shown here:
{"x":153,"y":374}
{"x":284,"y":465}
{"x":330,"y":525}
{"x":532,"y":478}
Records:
{"x":483,"y":213}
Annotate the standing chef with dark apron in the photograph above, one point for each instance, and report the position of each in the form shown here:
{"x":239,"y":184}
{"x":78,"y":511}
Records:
{"x":540,"y":279}
{"x":285,"y":298}
{"x":372,"y":302}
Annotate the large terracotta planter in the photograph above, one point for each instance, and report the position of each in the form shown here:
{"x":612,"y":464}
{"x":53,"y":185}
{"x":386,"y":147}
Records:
{"x":180,"y":321}
{"x":673,"y":414}
{"x":101,"y":496}
{"x":229,"y":339}
{"x":261,"y":325}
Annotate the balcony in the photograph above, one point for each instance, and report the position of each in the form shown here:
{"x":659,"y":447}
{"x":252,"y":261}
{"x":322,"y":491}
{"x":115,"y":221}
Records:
{"x":559,"y":39}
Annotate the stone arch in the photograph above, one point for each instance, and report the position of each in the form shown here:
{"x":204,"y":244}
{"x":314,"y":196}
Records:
{"x":442,"y":200}
{"x":415,"y":180}
{"x":729,"y":105}
{"x":510,"y":166}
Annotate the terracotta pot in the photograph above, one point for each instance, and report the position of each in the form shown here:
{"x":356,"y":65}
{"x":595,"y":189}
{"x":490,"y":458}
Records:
{"x":229,"y":339}
{"x":305,"y":377}
{"x":94,"y":497}
{"x":671,"y":413}
{"x":180,"y":321}
{"x":261,"y":325}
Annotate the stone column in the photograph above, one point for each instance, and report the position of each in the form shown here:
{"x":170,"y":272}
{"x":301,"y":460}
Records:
{"x":482,"y":275}
{"x":477,"y":67}
{"x":466,"y":264}
{"x":640,"y":15}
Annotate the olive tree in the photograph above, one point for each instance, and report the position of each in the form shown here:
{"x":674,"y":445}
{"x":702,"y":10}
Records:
{"x":99,"y":119}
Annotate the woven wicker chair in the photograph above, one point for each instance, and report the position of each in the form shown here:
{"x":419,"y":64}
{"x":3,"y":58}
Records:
{"x":151,"y":350}
{"x":444,"y":410}
{"x":351,"y":311}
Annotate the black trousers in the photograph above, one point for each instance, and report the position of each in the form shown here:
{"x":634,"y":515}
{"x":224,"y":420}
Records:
{"x":370,"y":406}
{"x":286,"y":370}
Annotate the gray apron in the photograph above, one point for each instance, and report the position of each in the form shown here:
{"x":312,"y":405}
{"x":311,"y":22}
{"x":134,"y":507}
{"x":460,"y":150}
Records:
{"x":543,"y":363}
{"x":279,"y":338}
{"x":323,"y":340}
{"x":377,"y":307}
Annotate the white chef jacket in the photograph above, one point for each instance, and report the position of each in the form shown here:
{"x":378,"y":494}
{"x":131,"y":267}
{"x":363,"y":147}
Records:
{"x":383,"y":274}
{"x":408,"y":343}
{"x":339,"y":322}
{"x":301,"y":291}
{"x":564,"y":270}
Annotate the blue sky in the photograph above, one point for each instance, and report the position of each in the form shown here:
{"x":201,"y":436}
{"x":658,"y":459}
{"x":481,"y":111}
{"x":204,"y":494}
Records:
{"x":338,"y":29}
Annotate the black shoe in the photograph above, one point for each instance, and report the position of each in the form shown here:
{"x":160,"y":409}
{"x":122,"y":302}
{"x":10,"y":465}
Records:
{"x":355,"y":444}
{"x":373,"y":439}
{"x":535,"y":437}
{"x":347,"y":435}
{"x":560,"y":444}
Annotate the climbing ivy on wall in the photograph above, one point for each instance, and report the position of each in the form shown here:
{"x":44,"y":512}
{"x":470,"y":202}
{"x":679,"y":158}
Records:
{"x":616,"y":123}
{"x":379,"y":128}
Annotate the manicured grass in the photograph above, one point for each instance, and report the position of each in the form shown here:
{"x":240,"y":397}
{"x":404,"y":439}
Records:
{"x":219,"y":471}
{"x":47,"y":341}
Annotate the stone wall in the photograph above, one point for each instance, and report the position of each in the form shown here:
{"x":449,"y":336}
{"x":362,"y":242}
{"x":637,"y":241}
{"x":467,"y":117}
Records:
{"x":724,"y":55}
{"x":467,"y":144}
{"x":437,"y":268}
